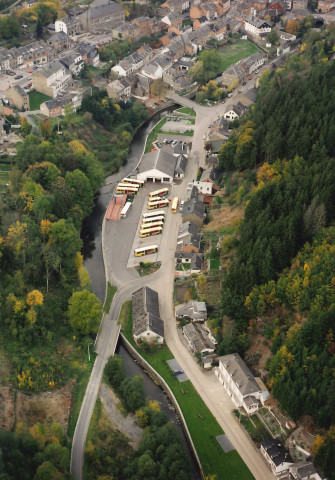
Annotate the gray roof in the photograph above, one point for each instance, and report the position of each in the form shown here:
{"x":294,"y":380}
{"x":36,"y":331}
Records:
{"x":241,"y":374}
{"x":256,"y":22}
{"x":192,"y":309}
{"x":198,"y":338}
{"x":101,"y":10}
{"x":159,"y":159}
{"x":196,"y":262}
{"x":303,"y":470}
{"x":20,"y":91}
{"x":188,"y":227}
{"x":193,"y":206}
{"x":180,"y":148}
{"x":58,"y":37}
{"x":181,"y":164}
{"x":276,"y":451}
{"x":50,"y":69}
{"x":146,"y":312}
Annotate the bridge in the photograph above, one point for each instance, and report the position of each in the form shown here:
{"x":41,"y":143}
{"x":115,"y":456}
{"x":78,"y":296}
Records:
{"x":183,"y":101}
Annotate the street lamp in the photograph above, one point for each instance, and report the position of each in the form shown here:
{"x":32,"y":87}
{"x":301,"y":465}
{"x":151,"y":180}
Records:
{"x":88,"y":351}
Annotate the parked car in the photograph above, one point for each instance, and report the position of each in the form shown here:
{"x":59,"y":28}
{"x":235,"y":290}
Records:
{"x":181,"y":206}
{"x":178,"y":372}
{"x":18,"y":77}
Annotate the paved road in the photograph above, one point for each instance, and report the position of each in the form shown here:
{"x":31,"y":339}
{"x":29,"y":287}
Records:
{"x":116,"y":251}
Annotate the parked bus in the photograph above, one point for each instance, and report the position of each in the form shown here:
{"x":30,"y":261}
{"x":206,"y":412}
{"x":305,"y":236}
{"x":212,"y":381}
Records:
{"x":145,"y":226}
{"x":133,"y":181}
{"x":149,"y":232}
{"x":125,"y":210}
{"x":138,"y":252}
{"x":159,"y":193}
{"x":158,"y":218}
{"x":128,"y":185}
{"x":160,"y":213}
{"x":158,"y":204}
{"x":174,"y":205}
{"x":126,"y":189}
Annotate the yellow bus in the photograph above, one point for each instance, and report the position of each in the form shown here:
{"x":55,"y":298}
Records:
{"x":139,"y":252}
{"x":158,"y":204}
{"x":174,"y":205}
{"x":159,"y":193}
{"x":160,"y":213}
{"x":145,"y":226}
{"x":158,"y":218}
{"x":126,"y":189}
{"x":149,"y":232}
{"x":133,"y":181}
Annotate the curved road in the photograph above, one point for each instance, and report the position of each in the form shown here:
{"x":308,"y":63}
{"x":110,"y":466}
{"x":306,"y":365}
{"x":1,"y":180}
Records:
{"x":128,"y":280}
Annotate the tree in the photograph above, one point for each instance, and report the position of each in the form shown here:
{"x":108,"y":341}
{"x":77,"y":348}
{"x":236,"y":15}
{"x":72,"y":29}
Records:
{"x":115,"y":371}
{"x":132,"y":392}
{"x":25,"y":127}
{"x":273,"y":37}
{"x":209,"y":64}
{"x":39,"y":29}
{"x":159,"y":88}
{"x":293,"y":27}
{"x":84,"y":312}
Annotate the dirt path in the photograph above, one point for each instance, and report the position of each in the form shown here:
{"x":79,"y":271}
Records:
{"x":127,"y":425}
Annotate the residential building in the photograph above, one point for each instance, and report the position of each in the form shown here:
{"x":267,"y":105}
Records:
{"x":278,"y":5}
{"x":51,"y":79}
{"x":255,"y":26}
{"x":119,"y":90}
{"x":189,"y":239}
{"x":179,"y":171}
{"x":277,"y":456}
{"x":210,"y":176}
{"x":36,"y":53}
{"x":240,"y":383}
{"x":157,"y":166}
{"x":252,"y":63}
{"x":89,"y":53}
{"x":193,"y":211}
{"x":73,"y":62}
{"x":60,"y":41}
{"x":147,"y":324}
{"x":235,"y":112}
{"x":69,"y":25}
{"x":199,"y":339}
{"x":56,"y":107}
{"x":194,"y":260}
{"x":100,"y":13}
{"x":192,"y":310}
{"x":18,"y":97}
{"x":144,"y":25}
{"x":304,"y":470}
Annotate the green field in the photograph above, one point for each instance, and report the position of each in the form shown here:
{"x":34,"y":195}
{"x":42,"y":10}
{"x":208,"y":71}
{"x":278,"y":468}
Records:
{"x":36,"y":98}
{"x":203,"y":430}
{"x":236,"y":51}
{"x":4,"y":176}
{"x":111,"y":290}
{"x":187,"y":111}
{"x":152,"y":137}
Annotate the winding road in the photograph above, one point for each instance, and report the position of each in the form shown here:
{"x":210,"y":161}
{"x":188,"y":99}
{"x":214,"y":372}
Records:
{"x":116,"y":251}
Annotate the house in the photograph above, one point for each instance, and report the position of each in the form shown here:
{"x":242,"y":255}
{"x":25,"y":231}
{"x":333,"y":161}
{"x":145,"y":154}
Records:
{"x":258,"y":4}
{"x":193,"y":211}
{"x":18,"y":97}
{"x":147,"y":324}
{"x":60,"y":41}
{"x":51,"y":79}
{"x":194,"y":260}
{"x":277,"y":456}
{"x":279,"y":5}
{"x":119,"y":90}
{"x":189,"y":239}
{"x":235,"y":112}
{"x":35,"y":53}
{"x":100,"y":13}
{"x":240,"y":383}
{"x":69,"y":25}
{"x":255,"y":26}
{"x":56,"y":107}
{"x":247,"y":98}
{"x":173,"y":19}
{"x":197,"y":11}
{"x":89,"y":53}
{"x":192,"y":310}
{"x":179,"y":171}
{"x":73,"y":62}
{"x":198,"y":22}
{"x":199,"y":339}
{"x":210,"y":176}
{"x":144,"y":26}
{"x":252,"y":63}
{"x":157,"y":166}
{"x":304,"y":470}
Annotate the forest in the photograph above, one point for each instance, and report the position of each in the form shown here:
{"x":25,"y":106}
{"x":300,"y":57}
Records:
{"x":280,"y":277}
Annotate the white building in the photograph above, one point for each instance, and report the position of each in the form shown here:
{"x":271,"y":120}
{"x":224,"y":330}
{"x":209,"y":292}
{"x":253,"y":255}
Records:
{"x":203,"y":187}
{"x":240,"y":383}
{"x":157,"y":166}
{"x":147,"y":324}
{"x":277,"y":456}
{"x":255,"y":26}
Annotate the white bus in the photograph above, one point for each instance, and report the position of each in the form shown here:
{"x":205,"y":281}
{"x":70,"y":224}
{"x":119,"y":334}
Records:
{"x":153,"y":214}
{"x":125,"y":210}
{"x":158,"y":218}
{"x":138,"y":252}
{"x":158,"y":204}
{"x":133,"y":181}
{"x":148,"y":232}
{"x":159,"y":193}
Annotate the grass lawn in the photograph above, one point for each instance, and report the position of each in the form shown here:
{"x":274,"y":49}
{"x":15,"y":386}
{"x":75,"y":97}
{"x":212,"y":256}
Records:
{"x":187,"y":111}
{"x":4,"y":173}
{"x":203,"y":430}
{"x":36,"y":98}
{"x":111,"y":290}
{"x":189,"y":133}
{"x":254,"y":427}
{"x":236,"y":51}
{"x":147,"y":268}
{"x":215,"y":263}
{"x":152,"y":137}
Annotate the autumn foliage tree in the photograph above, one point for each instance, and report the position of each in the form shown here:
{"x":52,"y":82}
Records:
{"x":84,"y":312}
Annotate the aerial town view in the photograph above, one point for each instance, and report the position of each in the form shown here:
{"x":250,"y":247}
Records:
{"x":167,"y":240}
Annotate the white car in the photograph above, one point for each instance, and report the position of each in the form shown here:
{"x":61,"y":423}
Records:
{"x":181,"y":206}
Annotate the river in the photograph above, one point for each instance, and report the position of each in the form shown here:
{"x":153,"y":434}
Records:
{"x":93,"y":262}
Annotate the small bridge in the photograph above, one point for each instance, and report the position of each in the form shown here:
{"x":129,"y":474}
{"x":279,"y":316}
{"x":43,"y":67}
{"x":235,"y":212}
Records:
{"x":183,"y":101}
